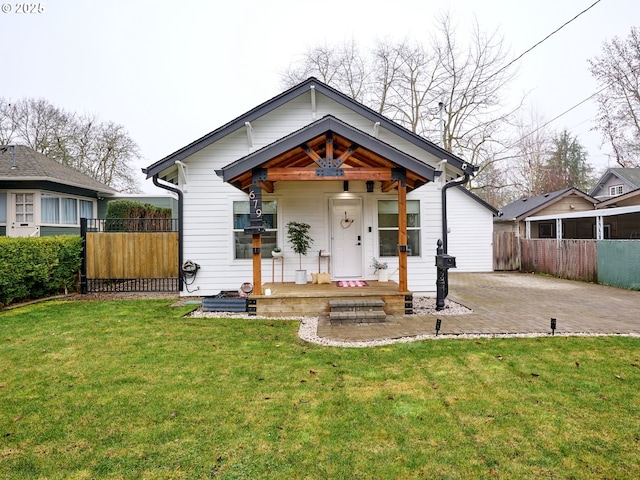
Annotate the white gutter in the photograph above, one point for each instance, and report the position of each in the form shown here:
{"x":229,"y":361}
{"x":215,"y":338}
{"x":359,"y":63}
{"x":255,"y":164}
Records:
{"x":605,"y":212}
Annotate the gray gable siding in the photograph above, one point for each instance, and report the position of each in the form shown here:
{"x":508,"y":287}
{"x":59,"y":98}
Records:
{"x":629,"y":178}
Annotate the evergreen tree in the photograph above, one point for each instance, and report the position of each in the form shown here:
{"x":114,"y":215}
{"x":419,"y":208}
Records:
{"x":567,"y":165}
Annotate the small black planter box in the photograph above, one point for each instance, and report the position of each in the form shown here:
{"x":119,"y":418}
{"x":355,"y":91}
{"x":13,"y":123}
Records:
{"x":224,"y":302}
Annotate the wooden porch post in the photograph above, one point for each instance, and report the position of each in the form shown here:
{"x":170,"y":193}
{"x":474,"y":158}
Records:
{"x":402,"y":236}
{"x":256,"y":243}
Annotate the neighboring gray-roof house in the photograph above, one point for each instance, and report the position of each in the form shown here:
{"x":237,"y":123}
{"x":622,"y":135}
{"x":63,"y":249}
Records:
{"x":40,"y":196}
{"x":511,"y":217}
{"x":615,"y":182}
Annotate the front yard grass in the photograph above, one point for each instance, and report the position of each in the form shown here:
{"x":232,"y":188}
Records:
{"x":133,"y":390}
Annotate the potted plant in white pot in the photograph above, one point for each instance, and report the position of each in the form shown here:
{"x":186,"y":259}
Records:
{"x":381,"y":269}
{"x":277,"y":252}
{"x":298,"y":236}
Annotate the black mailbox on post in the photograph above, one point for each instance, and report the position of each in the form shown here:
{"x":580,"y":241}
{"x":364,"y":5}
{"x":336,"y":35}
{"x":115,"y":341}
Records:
{"x":445,"y":261}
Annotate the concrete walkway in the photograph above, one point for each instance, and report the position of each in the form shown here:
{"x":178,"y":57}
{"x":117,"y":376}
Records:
{"x":510,"y":303}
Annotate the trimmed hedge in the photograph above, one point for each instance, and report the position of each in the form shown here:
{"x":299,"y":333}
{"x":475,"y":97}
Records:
{"x":134,"y":216}
{"x":134,"y":209}
{"x":32,"y":268}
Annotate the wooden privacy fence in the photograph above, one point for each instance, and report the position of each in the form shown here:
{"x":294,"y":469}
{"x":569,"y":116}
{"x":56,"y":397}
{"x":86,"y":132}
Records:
{"x":571,"y":259}
{"x":607,"y":262}
{"x":506,"y":251}
{"x":138,"y":256}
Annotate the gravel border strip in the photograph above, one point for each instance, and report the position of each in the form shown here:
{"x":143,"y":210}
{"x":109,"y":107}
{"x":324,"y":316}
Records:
{"x":308,"y":330}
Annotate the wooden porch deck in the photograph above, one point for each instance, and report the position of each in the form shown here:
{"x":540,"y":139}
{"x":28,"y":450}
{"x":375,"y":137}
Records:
{"x":289,"y":299}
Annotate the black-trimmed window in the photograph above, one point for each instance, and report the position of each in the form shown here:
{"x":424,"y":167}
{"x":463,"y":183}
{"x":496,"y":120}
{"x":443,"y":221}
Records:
{"x":388,"y":228}
{"x":242,"y":242}
{"x":546,"y":230}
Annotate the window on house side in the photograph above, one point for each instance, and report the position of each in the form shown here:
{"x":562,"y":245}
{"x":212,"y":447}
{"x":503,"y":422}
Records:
{"x":57,"y":210}
{"x":69,"y":211}
{"x":50,"y":208}
{"x":546,"y":230}
{"x":242,"y":242}
{"x":3,"y":207}
{"x":615,"y":190}
{"x":388,"y":228}
{"x":86,"y":209}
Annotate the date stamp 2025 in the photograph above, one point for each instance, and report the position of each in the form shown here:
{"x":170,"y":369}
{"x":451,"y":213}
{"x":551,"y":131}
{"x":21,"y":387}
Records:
{"x":22,"y":8}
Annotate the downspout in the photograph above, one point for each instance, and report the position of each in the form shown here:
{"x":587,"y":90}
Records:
{"x":180,"y":224}
{"x":445,"y":187}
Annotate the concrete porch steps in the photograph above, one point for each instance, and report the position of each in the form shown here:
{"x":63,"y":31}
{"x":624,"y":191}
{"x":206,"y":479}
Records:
{"x":357,"y":310}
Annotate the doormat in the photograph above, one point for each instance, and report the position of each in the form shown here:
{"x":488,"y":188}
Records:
{"x":351,"y":283}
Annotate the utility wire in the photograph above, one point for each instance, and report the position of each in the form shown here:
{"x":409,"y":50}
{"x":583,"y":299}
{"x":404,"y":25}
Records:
{"x":544,"y":39}
{"x":608,"y":85}
{"x":534,"y":46}
{"x":560,"y":115}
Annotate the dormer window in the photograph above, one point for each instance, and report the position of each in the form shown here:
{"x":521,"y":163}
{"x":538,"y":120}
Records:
{"x":615,"y":190}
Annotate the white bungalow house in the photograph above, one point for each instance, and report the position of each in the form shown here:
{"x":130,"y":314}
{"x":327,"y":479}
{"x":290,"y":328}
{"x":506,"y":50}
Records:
{"x":368,"y":187}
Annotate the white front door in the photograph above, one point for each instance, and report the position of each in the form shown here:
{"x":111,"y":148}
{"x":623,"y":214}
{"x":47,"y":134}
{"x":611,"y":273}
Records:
{"x":21,"y":221}
{"x":346,"y":238}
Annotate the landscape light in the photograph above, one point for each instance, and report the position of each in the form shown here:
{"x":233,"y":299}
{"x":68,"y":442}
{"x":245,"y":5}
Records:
{"x":438,"y":324}
{"x":553,"y":326}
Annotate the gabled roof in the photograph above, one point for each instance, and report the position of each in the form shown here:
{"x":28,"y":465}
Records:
{"x":612,"y":202}
{"x":477,"y":199}
{"x":360,"y":151}
{"x":29,"y":165}
{"x":528,"y":206}
{"x":630,"y":176}
{"x":287,"y":96}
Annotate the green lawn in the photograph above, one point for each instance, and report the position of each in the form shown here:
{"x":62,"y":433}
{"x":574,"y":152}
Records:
{"x":133,"y":390}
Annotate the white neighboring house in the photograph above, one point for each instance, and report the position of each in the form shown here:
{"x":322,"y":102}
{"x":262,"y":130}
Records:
{"x":314,"y":155}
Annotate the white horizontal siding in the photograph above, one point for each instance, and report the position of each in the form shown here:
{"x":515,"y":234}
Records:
{"x":208,"y":220}
{"x":470,"y":237}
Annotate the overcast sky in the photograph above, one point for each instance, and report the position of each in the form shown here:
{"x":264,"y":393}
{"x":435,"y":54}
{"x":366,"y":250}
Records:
{"x":172,"y":71}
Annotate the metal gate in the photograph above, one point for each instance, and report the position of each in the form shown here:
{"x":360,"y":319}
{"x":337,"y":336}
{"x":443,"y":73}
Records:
{"x":130,"y":255}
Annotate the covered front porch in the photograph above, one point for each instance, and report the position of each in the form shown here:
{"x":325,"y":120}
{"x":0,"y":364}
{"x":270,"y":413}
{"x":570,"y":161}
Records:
{"x":329,"y":151}
{"x":290,"y":299}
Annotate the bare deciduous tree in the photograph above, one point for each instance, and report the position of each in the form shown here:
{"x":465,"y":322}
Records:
{"x":528,"y":174}
{"x":103,"y":151}
{"x":406,"y":81}
{"x":618,"y":71}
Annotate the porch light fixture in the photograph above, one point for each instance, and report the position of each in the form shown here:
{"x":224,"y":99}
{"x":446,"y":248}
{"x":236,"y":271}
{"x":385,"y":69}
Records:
{"x":369,"y":186}
{"x":553,"y":326}
{"x":345,"y":186}
{"x":438,"y":325}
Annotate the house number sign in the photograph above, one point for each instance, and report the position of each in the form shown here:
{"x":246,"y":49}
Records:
{"x":255,"y":211}
{"x":255,"y":205}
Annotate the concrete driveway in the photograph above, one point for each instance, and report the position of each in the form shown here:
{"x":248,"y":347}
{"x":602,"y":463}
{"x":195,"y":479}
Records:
{"x":510,"y":303}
